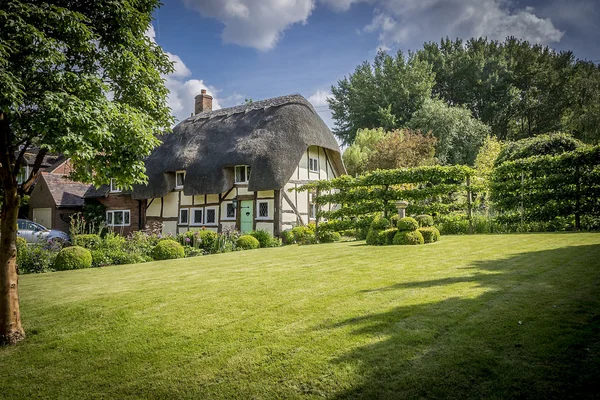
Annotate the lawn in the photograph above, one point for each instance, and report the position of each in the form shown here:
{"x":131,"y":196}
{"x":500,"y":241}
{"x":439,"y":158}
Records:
{"x":490,"y":316}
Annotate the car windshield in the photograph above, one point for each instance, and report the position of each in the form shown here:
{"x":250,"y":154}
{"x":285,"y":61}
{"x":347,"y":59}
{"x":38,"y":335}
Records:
{"x":38,"y":227}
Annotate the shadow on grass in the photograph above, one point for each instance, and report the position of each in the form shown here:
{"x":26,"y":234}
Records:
{"x":533,"y":333}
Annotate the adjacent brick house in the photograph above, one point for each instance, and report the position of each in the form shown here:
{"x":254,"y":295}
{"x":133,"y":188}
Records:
{"x":123,"y":214}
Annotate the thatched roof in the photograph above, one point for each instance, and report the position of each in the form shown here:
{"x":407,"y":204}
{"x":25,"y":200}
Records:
{"x":65,"y":192}
{"x":269,"y":135}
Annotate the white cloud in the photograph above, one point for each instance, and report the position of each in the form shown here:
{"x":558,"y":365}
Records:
{"x":340,"y":5}
{"x":251,"y":23}
{"x":415,"y":21}
{"x":319,"y":98}
{"x":182,"y":90}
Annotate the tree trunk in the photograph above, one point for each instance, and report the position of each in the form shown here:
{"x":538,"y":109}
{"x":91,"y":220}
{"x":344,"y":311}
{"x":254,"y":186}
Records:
{"x":11,"y":330}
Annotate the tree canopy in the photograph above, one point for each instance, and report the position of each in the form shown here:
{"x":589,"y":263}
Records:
{"x":459,"y":135}
{"x":82,"y":79}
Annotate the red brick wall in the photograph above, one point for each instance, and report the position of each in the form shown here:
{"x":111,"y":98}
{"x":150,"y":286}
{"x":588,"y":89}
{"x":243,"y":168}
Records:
{"x":125,"y":202}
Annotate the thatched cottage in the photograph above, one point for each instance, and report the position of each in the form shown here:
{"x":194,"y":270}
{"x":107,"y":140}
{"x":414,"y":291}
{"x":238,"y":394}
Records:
{"x":232,"y":168}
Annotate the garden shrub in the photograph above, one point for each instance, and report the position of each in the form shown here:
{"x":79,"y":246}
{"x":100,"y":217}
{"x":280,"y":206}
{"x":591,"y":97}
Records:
{"x":141,"y":243}
{"x":387,"y":236}
{"x":394,"y":220}
{"x":33,"y":259}
{"x":74,"y":257}
{"x":407,"y":224}
{"x":304,"y":234}
{"x":247,"y":242}
{"x":167,"y":250}
{"x":89,"y":241}
{"x":408,"y":237}
{"x":430,"y":234}
{"x":424,"y":220}
{"x":380,"y":223}
{"x":288,"y":237}
{"x":373,"y":237}
{"x":328,"y":237}
{"x":264,"y":238}
{"x":206,"y":240}
{"x":192,"y":251}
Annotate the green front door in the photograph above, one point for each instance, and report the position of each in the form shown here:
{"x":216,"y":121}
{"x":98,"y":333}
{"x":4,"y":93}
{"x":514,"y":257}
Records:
{"x":246,"y":215}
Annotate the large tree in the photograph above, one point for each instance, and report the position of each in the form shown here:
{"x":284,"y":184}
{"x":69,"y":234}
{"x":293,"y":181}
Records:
{"x":459,"y":135}
{"x":383,"y":94}
{"x":80,"y":78}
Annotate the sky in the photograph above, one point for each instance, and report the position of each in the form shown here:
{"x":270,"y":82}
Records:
{"x":257,"y":49}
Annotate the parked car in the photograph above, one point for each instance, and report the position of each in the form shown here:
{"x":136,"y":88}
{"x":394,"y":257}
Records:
{"x":35,"y":233}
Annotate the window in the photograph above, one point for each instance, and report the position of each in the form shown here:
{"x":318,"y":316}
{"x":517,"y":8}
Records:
{"x":113,"y":187}
{"x":184,"y":216}
{"x":242,"y":173}
{"x":263,"y":209}
{"x":23,"y":174}
{"x":313,"y":211}
{"x":230,"y":211}
{"x":179,"y":179}
{"x":211,"y":216}
{"x":313,"y":164}
{"x":118,"y":218}
{"x":197,"y":216}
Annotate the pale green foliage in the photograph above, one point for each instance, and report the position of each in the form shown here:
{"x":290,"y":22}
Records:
{"x":459,"y":135}
{"x":357,"y":155}
{"x":488,"y":153}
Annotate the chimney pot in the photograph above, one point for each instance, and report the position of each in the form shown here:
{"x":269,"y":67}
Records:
{"x":203,"y":102}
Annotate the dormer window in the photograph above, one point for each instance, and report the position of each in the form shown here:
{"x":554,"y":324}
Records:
{"x":242,"y":173}
{"x":113,"y":187}
{"x":179,"y":179}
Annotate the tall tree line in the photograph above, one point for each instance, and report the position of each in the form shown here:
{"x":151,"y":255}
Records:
{"x":517,"y":88}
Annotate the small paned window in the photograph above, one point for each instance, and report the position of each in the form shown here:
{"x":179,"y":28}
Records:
{"x":197,"y":214}
{"x":313,"y":211}
{"x":179,"y":179}
{"x":211,"y":216}
{"x":263,"y":209}
{"x":313,"y":164}
{"x":242,"y":173}
{"x":230,"y":210}
{"x":184,"y":216}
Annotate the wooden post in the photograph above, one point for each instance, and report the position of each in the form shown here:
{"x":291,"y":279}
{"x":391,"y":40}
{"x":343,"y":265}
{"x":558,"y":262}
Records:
{"x":469,"y":205}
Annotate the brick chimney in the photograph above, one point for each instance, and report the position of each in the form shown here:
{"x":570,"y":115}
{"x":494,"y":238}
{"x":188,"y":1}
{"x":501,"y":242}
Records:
{"x":203,"y":102}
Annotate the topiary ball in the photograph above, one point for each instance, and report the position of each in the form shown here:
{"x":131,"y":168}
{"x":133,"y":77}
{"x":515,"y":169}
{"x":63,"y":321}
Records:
{"x":168,"y":250}
{"x":75,"y":257}
{"x":430,"y":234}
{"x":408,"y":237}
{"x":247,"y":242}
{"x":424,"y":220}
{"x":407,"y":224}
{"x":380,"y":223}
{"x":373,"y":237}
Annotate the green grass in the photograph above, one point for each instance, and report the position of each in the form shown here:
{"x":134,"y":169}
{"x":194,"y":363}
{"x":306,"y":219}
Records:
{"x":493,"y":316}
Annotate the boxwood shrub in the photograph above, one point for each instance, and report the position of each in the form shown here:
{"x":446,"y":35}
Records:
{"x":328,"y":236}
{"x":424,"y":220}
{"x":74,"y":257}
{"x":167,"y":250}
{"x":387,"y":236}
{"x":430,"y":234}
{"x":247,"y":242}
{"x":380,"y":223}
{"x":265,"y":239}
{"x":407,"y":224}
{"x":408,"y":237}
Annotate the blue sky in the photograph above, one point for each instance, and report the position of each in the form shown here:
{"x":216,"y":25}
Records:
{"x":257,"y":49}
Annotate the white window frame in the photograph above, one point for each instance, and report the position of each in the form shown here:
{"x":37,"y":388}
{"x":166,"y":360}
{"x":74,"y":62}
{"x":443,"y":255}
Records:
{"x":258,"y":203}
{"x":216,"y":209}
{"x":313,"y":162}
{"x":112,"y":213}
{"x":312,"y":211}
{"x":23,"y":174}
{"x":113,"y":187}
{"x":192,"y":219}
{"x":188,"y":216}
{"x":176,"y":174}
{"x":247,"y":171}
{"x":225,"y":217}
